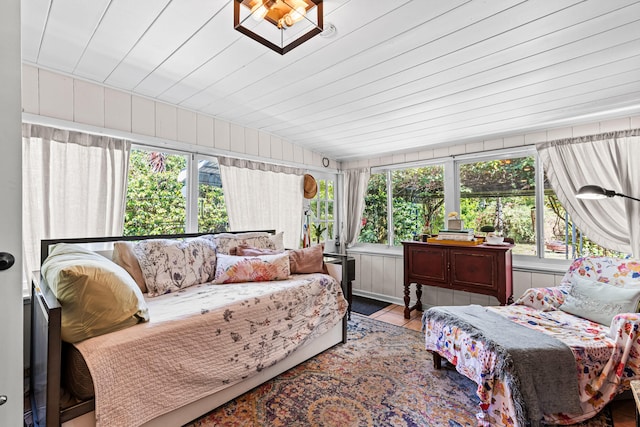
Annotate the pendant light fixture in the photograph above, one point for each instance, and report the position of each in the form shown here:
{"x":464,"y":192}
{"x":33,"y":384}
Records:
{"x":280,"y":25}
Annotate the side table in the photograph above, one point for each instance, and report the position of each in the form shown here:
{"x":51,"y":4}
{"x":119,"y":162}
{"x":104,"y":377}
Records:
{"x":348,"y":265}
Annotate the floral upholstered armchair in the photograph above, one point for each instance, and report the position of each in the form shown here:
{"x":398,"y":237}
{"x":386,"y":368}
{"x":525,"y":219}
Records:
{"x":594,"y":311}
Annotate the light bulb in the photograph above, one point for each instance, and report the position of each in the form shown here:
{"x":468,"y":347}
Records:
{"x":298,"y":13}
{"x":259,"y":11}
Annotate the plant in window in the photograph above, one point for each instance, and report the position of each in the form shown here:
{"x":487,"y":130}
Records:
{"x":318,"y":229}
{"x":488,"y":229}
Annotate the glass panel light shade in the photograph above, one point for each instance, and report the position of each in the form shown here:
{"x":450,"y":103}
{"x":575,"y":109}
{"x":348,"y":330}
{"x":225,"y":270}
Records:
{"x":281,"y":25}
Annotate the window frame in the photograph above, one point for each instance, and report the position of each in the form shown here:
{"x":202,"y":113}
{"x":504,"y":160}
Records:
{"x":319,"y":198}
{"x":190,"y":211}
{"x":452,"y":201}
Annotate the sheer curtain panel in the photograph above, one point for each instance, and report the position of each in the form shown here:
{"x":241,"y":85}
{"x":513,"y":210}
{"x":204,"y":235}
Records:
{"x":355,"y":189}
{"x":263,"y":196}
{"x":74,"y":185}
{"x":609,"y":160}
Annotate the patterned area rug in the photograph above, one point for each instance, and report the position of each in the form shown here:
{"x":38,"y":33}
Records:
{"x":382,"y":376}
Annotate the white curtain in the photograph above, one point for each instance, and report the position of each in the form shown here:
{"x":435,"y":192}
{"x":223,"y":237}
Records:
{"x":356,"y":182}
{"x":74,"y":185}
{"x":608,"y":160}
{"x":262,"y":196}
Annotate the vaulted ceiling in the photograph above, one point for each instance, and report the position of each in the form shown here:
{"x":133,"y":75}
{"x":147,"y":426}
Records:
{"x":397,"y":75}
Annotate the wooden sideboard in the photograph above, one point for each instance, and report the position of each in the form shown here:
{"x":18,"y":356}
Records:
{"x":480,"y":269}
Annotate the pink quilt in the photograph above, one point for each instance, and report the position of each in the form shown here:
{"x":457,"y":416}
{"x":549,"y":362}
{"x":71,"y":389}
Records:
{"x":202,"y":339}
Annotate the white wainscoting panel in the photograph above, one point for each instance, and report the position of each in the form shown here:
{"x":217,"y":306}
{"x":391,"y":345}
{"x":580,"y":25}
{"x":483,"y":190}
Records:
{"x":92,"y":105}
{"x":276,"y":148}
{"x":88,"y":102}
{"x":187,"y":126}
{"x":30,"y":103}
{"x":56,"y":95}
{"x":205,"y":132}
{"x":117,"y":110}
{"x":222,"y":132}
{"x":237,"y":138}
{"x":143,"y":116}
{"x":166,"y":121}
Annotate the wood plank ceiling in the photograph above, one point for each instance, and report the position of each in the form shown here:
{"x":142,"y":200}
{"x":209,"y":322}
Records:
{"x":398,"y":75}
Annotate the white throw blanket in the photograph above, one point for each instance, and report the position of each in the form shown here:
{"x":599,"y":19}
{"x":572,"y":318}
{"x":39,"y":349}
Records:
{"x":202,"y":340}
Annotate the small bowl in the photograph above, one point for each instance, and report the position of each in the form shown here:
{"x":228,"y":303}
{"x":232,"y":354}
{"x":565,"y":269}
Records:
{"x":494,"y":240}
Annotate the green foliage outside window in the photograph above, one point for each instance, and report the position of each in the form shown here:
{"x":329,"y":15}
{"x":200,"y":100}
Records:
{"x":500,"y":193}
{"x":212,"y":211}
{"x":156,"y":203}
{"x":418,"y":205}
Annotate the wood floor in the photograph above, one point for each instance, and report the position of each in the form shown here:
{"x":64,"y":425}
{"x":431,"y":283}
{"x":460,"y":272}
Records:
{"x":623,"y":410}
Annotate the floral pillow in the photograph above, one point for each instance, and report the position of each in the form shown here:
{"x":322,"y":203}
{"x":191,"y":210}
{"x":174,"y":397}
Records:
{"x":614,"y":271}
{"x":262,"y":268}
{"x":226,"y":243}
{"x":171,"y":265}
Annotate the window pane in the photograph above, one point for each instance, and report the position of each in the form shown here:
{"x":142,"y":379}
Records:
{"x":322,"y":214}
{"x":374,"y":218}
{"x":212,"y":211}
{"x":156,"y":191}
{"x":418,"y":202}
{"x":562,"y":239}
{"x":501,"y":193}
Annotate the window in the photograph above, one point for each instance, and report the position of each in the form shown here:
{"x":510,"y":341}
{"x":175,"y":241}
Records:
{"x":212,"y":211}
{"x":418,"y":204}
{"x":501,"y":189}
{"x":374,"y":219}
{"x":562,"y":239}
{"x":322,"y":210}
{"x":501,"y":193}
{"x":156,"y":193}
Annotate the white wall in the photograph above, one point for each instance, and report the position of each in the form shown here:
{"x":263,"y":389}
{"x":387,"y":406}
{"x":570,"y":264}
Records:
{"x":52,"y":98}
{"x":622,"y":123}
{"x":380,"y":275}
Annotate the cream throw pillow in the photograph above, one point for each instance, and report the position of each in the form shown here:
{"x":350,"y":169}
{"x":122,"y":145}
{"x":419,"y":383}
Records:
{"x":599,"y":302}
{"x":97,"y":296}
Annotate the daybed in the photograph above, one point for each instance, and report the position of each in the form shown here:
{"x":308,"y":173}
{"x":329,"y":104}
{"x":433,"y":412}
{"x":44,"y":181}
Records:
{"x":217,"y":327}
{"x":517,"y":354}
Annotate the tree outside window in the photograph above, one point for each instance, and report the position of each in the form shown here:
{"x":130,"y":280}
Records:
{"x":156,"y":195}
{"x":418,"y":204}
{"x":500,"y":192}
